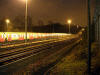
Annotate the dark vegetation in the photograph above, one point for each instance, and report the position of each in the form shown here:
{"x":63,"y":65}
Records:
{"x":75,"y":63}
{"x":56,"y":28}
{"x":17,"y":24}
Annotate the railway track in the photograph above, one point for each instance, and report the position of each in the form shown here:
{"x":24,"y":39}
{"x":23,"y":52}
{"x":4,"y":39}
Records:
{"x":13,"y":45}
{"x":23,"y":41}
{"x":17,"y":54}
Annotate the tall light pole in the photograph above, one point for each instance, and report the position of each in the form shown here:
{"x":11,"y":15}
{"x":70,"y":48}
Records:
{"x":69,"y":22}
{"x":89,"y":38}
{"x":26,"y":20}
{"x":7,"y":22}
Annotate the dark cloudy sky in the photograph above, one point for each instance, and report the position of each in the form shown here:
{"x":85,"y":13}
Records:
{"x":47,"y":10}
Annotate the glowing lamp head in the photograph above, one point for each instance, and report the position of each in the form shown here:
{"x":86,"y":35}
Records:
{"x":24,"y":0}
{"x":83,"y":29}
{"x":7,"y":21}
{"x":69,"y":21}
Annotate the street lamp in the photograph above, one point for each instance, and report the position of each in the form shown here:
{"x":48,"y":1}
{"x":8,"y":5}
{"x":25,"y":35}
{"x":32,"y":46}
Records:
{"x":7,"y":22}
{"x":26,"y":11}
{"x":69,"y":22}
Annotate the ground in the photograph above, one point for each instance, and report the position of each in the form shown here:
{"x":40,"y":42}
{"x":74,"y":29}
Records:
{"x":72,"y":61}
{"x":75,"y":63}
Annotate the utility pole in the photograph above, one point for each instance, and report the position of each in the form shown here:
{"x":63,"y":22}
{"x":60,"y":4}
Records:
{"x":89,"y":38}
{"x":69,"y":22}
{"x":26,"y":16}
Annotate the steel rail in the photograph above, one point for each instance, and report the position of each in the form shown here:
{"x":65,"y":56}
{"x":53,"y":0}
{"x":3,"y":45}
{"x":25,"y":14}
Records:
{"x":22,"y":55}
{"x":10,"y":58}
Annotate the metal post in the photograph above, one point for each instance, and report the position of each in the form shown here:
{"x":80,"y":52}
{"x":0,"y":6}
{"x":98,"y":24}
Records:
{"x":7,"y":27}
{"x":89,"y":39}
{"x":26,"y":11}
{"x":6,"y":31}
{"x":69,"y":28}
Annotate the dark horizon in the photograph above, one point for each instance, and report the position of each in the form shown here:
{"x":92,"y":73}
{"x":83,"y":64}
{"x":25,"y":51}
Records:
{"x":47,"y":10}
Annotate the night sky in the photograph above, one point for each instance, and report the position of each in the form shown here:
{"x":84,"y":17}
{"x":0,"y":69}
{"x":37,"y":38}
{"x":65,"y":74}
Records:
{"x":47,"y":10}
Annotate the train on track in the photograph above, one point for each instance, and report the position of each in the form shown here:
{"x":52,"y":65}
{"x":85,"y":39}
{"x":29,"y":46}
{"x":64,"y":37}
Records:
{"x":10,"y":36}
